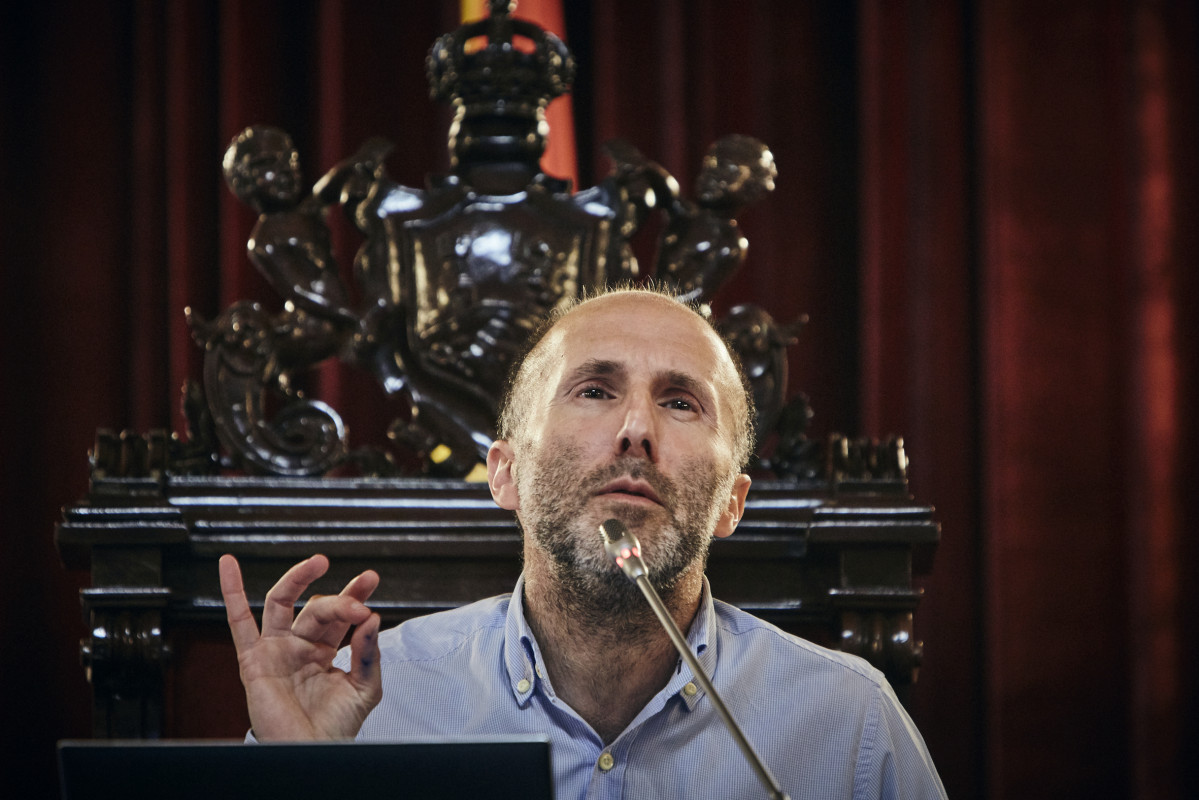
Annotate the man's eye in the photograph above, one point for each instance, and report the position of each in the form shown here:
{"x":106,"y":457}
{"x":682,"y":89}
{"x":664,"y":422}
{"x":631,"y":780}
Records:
{"x":593,"y":393}
{"x":679,"y":404}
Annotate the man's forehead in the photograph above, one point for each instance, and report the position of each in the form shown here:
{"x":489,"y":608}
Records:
{"x":632,"y":306}
{"x":640,"y":323}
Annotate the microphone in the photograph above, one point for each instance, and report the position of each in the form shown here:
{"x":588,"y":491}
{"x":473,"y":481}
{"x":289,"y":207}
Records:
{"x":623,"y":548}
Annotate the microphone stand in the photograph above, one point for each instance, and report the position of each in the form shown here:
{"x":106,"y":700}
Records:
{"x":622,"y":546}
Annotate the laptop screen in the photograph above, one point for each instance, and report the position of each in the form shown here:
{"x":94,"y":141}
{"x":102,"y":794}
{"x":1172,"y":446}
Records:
{"x":508,"y":767}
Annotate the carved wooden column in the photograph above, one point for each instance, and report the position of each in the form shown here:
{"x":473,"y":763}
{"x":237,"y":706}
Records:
{"x":125,"y":656}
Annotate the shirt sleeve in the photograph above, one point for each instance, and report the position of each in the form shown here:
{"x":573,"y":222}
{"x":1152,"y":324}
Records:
{"x":893,"y":761}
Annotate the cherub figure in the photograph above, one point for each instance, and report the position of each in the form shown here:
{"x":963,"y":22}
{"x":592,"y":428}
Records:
{"x":761,"y":345}
{"x":702,"y":245}
{"x":290,"y":244}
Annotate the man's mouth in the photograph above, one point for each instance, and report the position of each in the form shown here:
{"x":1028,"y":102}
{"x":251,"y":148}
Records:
{"x":631,"y":488}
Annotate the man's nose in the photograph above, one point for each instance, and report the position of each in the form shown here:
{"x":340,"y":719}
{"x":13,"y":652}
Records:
{"x":639,"y":433}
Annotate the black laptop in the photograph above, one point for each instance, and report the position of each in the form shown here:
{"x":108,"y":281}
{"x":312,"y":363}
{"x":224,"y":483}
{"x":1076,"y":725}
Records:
{"x":501,"y":768}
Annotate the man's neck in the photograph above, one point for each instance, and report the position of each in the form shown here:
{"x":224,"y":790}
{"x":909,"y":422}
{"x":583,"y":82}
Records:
{"x":606,"y":669}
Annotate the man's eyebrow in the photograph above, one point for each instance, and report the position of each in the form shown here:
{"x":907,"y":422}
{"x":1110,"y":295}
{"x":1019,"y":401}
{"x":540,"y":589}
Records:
{"x":687,"y":383}
{"x":595,"y":368}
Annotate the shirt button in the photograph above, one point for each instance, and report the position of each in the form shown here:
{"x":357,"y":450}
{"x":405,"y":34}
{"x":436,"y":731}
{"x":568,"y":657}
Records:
{"x":606,"y":762}
{"x":522,"y":685}
{"x":538,"y":669}
{"x":690,"y":690}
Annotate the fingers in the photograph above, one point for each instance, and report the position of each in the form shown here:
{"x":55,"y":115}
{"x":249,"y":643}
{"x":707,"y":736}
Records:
{"x":237,"y":608}
{"x":326,"y":619}
{"x":362,"y":587}
{"x":365,"y":673}
{"x":279,"y":608}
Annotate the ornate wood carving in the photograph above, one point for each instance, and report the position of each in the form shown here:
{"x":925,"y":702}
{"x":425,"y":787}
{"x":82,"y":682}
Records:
{"x":452,"y":277}
{"x":125,"y":656}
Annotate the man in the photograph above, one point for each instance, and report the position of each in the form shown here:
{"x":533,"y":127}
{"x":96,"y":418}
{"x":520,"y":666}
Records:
{"x":629,"y":407}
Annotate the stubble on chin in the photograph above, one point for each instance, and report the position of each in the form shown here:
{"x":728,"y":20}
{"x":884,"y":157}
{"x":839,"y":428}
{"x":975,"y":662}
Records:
{"x":557,"y":506}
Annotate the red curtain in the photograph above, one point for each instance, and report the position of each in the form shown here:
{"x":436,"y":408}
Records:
{"x":986,"y":208}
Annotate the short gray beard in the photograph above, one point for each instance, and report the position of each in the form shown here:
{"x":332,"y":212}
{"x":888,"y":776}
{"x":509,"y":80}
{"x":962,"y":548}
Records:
{"x":584,"y":582}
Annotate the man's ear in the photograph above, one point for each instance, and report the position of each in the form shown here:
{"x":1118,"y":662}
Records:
{"x":735,"y":510}
{"x":499,"y":476}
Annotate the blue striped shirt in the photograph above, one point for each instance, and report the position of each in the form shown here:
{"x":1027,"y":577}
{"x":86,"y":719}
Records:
{"x":827,"y":724}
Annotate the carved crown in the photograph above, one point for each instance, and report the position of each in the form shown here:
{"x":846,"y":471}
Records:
{"x":500,"y":77}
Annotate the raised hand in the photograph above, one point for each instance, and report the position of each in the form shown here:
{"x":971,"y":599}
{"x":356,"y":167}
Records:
{"x":293,"y":691}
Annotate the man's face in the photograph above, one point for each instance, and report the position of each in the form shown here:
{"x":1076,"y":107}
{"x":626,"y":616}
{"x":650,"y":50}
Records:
{"x":633,"y":422}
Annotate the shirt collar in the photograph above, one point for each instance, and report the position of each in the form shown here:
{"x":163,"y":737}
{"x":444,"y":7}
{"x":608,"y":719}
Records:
{"x":522,"y":654}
